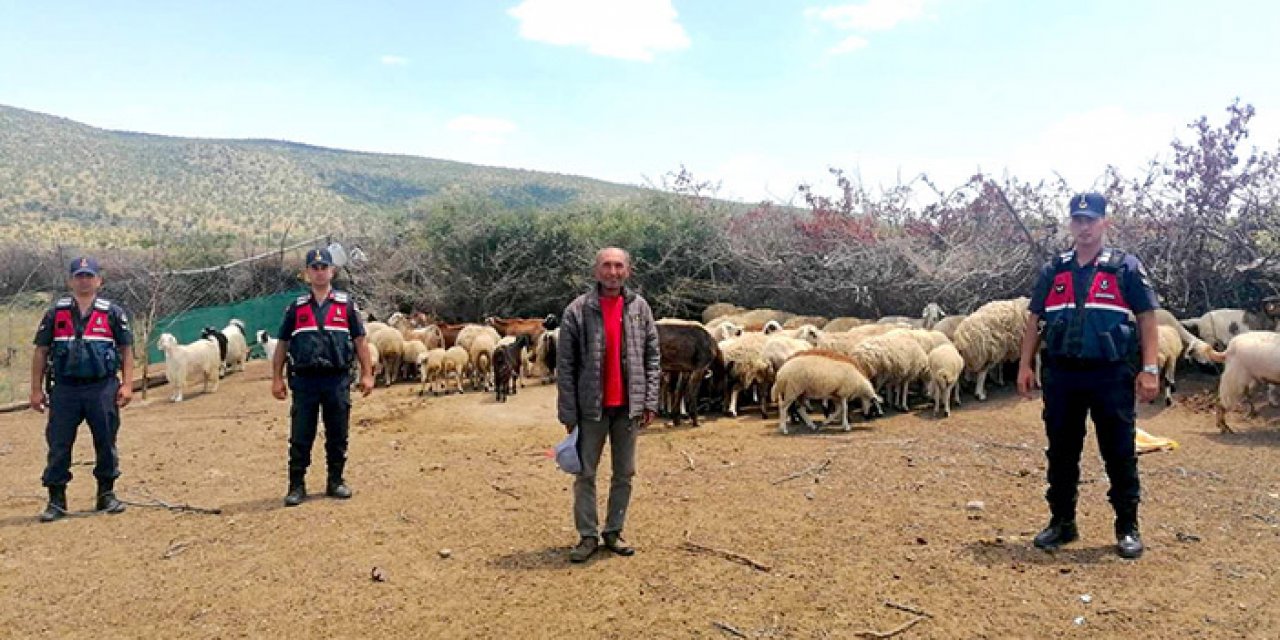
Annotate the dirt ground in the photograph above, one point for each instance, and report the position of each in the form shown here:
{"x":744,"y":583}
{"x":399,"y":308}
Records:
{"x":884,"y":523}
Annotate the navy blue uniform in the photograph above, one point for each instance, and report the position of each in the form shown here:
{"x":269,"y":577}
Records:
{"x":1090,"y":346}
{"x":84,"y":354}
{"x":320,"y":337}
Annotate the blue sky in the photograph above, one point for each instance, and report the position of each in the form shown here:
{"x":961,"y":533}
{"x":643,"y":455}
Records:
{"x":757,"y":94}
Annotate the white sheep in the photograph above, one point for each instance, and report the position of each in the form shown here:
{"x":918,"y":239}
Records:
{"x":945,"y":368}
{"x":430,"y":368}
{"x":779,"y":348}
{"x":746,"y":368}
{"x":184,"y":361}
{"x":722,"y":331}
{"x":1170,"y":350}
{"x":991,"y":336}
{"x":456,"y":361}
{"x":1250,"y":358}
{"x":481,"y":353}
{"x":844,"y":323}
{"x":893,"y":361}
{"x":468,"y":334}
{"x":929,"y":316}
{"x":947,"y":326}
{"x":820,"y":375}
{"x":390,"y":350}
{"x":410,"y":350}
{"x":268,"y":343}
{"x":1193,"y":348}
{"x":1219,"y":326}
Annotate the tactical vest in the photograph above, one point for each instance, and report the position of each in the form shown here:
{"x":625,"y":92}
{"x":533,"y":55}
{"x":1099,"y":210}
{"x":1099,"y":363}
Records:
{"x":83,"y":353}
{"x":321,"y":345}
{"x":1102,"y":331}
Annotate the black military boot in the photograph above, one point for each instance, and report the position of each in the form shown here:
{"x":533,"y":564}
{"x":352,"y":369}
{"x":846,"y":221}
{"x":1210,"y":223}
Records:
{"x":1128,"y":540}
{"x":297,"y":489}
{"x":337,"y":487}
{"x":57,"y":506}
{"x":107,"y":500}
{"x":1061,"y":529}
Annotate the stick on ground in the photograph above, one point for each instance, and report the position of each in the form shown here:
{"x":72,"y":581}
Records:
{"x":815,"y":469}
{"x":892,"y":632}
{"x":727,"y":628}
{"x":689,"y":458}
{"x":691,"y":546}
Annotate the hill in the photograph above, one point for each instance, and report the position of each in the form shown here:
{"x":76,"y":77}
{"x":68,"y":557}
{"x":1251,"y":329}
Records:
{"x":58,"y":177}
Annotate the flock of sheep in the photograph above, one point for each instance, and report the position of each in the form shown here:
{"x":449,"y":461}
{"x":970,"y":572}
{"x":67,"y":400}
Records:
{"x":778,"y":357}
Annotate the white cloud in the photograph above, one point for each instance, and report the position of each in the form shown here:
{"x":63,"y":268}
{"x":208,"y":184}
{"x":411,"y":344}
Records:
{"x":872,"y":15}
{"x":481,"y":129}
{"x":848,"y":45}
{"x":627,"y":29}
{"x":394,"y":60}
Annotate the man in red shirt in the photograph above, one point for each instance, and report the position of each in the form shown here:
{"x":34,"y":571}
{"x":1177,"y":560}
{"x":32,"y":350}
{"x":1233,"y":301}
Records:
{"x":607,"y":374}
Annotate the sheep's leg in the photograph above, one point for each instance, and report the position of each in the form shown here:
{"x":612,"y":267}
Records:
{"x":937,"y":396}
{"x":980,"y":389}
{"x":1222,"y":420}
{"x":783,"y":406}
{"x":955,"y":390}
{"x":844,"y":414}
{"x":805,"y":416}
{"x":762,"y":392}
{"x":733,"y":400}
{"x":691,"y":393}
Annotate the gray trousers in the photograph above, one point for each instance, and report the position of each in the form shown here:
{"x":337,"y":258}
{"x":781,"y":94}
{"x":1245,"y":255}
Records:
{"x":621,"y":432}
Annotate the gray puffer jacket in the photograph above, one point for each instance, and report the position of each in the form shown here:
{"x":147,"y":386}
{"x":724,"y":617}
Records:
{"x":580,"y":358}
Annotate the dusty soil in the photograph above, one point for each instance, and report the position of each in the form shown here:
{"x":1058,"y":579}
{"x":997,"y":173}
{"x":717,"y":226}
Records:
{"x":884,"y":522}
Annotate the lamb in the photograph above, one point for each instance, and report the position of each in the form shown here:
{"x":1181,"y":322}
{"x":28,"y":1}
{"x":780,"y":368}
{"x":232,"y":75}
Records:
{"x":1250,"y":358}
{"x":991,"y":336}
{"x":507,"y":359}
{"x":820,"y":375}
{"x":893,"y":360}
{"x":456,"y":361}
{"x":390,"y":346}
{"x":431,"y":368}
{"x":929,"y":316}
{"x":268,"y":343}
{"x":945,"y":369}
{"x":409,"y":355}
{"x":722,"y":331}
{"x":183,"y":361}
{"x":481,"y":352}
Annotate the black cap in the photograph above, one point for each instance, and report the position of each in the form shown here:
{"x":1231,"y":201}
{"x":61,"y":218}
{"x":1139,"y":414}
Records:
{"x":1092,"y":205}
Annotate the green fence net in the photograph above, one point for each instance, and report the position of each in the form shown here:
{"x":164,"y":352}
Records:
{"x":256,"y":313}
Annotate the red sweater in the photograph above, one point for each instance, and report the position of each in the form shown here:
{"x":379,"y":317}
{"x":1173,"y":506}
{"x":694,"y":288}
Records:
{"x":614,"y":389}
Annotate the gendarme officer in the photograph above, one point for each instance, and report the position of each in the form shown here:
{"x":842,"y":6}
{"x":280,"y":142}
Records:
{"x":319,"y":337}
{"x":1088,"y":298}
{"x":87,"y":342}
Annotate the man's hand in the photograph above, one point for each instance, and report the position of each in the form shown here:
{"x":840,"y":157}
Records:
{"x":1026,"y":379}
{"x":647,"y":418}
{"x":366,"y":384}
{"x":1148,"y":386}
{"x":278,"y":389}
{"x":123,"y":395}
{"x":38,"y":400}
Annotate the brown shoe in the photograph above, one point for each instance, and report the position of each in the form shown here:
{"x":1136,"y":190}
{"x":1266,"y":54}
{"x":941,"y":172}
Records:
{"x":613,"y":541}
{"x":586,"y":547}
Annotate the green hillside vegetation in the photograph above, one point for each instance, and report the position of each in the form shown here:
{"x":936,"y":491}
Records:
{"x":59,"y":178}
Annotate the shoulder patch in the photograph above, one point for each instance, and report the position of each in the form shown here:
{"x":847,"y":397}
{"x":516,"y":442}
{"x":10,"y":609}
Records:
{"x":301,"y":300}
{"x":63,"y":303}
{"x":102,"y":304}
{"x":341,"y":296}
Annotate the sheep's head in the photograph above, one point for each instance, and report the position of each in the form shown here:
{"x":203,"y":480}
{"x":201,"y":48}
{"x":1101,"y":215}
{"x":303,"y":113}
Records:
{"x":263,"y":336}
{"x":550,"y":322}
{"x":1198,"y":351}
{"x":771,"y":326}
{"x":809,"y":333}
{"x":167,"y":342}
{"x":931,"y":314}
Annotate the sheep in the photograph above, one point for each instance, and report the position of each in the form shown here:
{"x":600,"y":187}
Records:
{"x":1193,"y":348}
{"x":428,"y":335}
{"x":929,"y":317}
{"x":820,"y":375}
{"x":893,"y":360}
{"x":375,"y":361}
{"x":211,"y":333}
{"x":390,"y":346}
{"x":722,"y":331}
{"x":945,"y":368}
{"x":183,"y":361}
{"x":410,"y":350}
{"x":456,"y":361}
{"x":947,"y":326}
{"x":481,"y":352}
{"x":467,"y":334}
{"x":778,"y":349}
{"x":844,"y":324}
{"x":1219,"y":326}
{"x":687,"y":353}
{"x":237,"y":346}
{"x":431,"y":368}
{"x":1250,"y":358}
{"x":745,"y":367}
{"x":1170,"y":350}
{"x":845,"y":342}
{"x":991,"y":336}
{"x":818,"y":322}
{"x":507,"y":359}
{"x":268,"y":343}
{"x":720,"y":309}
